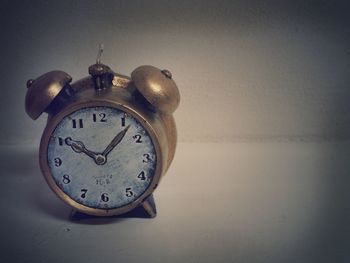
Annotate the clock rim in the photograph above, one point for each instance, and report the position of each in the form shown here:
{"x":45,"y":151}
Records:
{"x":135,"y":113}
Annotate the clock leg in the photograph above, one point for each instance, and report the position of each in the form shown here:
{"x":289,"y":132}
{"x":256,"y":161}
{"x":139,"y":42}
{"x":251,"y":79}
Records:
{"x":150,"y":206}
{"x":76,"y":215}
{"x":147,"y":209}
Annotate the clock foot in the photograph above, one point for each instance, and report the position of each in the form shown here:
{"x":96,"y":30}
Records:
{"x":150,"y":206}
{"x":147,"y":209}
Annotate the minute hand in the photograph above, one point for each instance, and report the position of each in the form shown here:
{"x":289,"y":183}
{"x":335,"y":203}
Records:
{"x":116,"y":140}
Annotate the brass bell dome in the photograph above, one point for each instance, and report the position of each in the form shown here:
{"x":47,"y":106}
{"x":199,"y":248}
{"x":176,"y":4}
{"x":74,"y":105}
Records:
{"x":157,"y":87}
{"x":43,"y":90}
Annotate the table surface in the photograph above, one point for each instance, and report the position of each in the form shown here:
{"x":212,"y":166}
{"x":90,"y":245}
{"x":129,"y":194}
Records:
{"x":234,"y":202}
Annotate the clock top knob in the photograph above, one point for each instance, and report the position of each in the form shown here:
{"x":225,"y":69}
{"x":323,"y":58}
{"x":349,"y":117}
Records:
{"x":101,"y":74}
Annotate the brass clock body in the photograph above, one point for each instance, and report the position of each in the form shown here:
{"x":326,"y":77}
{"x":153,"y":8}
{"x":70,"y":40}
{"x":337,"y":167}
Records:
{"x":144,"y":98}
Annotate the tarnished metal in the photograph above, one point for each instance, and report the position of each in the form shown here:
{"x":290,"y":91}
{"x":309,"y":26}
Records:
{"x":102,"y":75}
{"x":157,"y":87}
{"x":153,"y":126}
{"x":118,"y":92}
{"x":43,"y":90}
{"x":120,"y":81}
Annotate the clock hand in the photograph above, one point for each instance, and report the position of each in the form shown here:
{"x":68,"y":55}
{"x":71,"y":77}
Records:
{"x":116,"y":140}
{"x":79,"y":147}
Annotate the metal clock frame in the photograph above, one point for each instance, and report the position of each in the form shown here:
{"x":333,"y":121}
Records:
{"x":121,"y":95}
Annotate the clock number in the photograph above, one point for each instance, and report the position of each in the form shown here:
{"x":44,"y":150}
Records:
{"x":104,"y":197}
{"x":137,"y":137}
{"x":142,"y":176}
{"x":128,"y":192}
{"x":58,"y":162}
{"x":147,"y":158}
{"x":66,"y":179}
{"x":60,"y":141}
{"x":101,"y":119}
{"x":83,"y":195}
{"x":78,"y":124}
{"x":123,"y":120}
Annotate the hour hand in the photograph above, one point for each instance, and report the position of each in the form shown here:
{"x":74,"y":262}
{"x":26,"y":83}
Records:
{"x":116,"y":140}
{"x":79,"y":147}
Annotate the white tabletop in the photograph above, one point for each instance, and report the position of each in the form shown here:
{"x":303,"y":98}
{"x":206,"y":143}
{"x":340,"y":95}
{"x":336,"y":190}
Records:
{"x":238,"y":202}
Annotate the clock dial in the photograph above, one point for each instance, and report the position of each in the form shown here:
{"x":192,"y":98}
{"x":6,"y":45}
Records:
{"x":101,"y":157}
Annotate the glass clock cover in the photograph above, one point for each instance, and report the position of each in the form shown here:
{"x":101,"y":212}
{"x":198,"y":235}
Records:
{"x":101,"y":157}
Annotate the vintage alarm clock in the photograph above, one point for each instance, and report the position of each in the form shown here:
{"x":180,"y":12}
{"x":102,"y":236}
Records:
{"x":109,"y":138}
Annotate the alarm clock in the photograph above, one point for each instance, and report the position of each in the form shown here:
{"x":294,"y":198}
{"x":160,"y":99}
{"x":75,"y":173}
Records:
{"x":109,"y":138}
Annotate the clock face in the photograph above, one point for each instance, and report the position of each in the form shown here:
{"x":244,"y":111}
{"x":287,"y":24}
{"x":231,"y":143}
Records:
{"x":101,"y":157}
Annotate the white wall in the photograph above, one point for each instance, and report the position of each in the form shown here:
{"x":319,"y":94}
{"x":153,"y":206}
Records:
{"x":246,"y":71}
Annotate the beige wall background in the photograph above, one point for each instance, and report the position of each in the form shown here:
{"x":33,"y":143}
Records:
{"x":246,"y":70}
